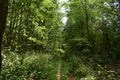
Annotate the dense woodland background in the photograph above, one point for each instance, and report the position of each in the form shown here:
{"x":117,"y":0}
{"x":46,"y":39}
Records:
{"x":38,"y":44}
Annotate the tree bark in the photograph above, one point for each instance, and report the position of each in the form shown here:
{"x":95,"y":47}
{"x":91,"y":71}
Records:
{"x":3,"y":16}
{"x":9,"y":38}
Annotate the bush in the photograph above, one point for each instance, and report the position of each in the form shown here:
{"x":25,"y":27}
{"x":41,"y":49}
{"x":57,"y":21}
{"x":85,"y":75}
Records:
{"x":35,"y":66}
{"x":77,"y":67}
{"x":38,"y":66}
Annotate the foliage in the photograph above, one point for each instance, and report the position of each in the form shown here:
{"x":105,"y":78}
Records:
{"x":33,"y":66}
{"x":90,"y":33}
{"x":75,"y":66}
{"x":36,"y":40}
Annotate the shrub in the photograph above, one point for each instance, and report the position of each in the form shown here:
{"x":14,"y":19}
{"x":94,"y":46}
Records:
{"x":38,"y":66}
{"x":76,"y":66}
{"x":35,"y":66}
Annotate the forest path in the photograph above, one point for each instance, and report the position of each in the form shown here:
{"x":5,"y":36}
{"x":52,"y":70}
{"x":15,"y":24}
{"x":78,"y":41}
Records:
{"x":70,"y":77}
{"x":59,"y":70}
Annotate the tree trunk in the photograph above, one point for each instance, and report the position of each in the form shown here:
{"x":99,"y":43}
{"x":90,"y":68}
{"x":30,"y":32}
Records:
{"x":9,"y":38}
{"x":3,"y":16}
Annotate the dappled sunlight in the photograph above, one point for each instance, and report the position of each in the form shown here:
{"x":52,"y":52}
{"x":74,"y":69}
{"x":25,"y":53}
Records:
{"x":60,"y":40}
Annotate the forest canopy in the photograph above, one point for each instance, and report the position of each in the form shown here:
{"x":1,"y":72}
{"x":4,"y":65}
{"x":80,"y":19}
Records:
{"x":59,"y":39}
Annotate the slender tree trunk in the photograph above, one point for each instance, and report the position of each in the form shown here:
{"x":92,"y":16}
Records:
{"x":11,"y":25}
{"x":87,"y":18}
{"x":3,"y":16}
{"x":20,"y":27}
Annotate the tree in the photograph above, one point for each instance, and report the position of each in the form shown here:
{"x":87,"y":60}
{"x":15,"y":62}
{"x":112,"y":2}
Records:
{"x":3,"y":16}
{"x":93,"y":28}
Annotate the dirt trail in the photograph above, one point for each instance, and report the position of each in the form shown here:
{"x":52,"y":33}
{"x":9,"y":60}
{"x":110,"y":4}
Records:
{"x":59,"y":70}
